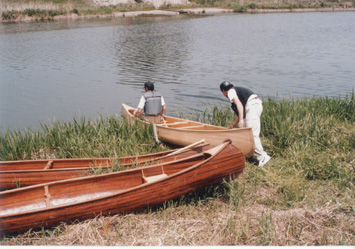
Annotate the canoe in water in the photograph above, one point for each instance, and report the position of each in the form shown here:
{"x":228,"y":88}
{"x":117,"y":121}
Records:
{"x":46,"y":205}
{"x":183,"y":132}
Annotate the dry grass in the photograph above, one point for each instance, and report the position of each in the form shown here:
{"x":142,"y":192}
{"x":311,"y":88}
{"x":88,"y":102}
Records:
{"x":254,"y":219}
{"x":21,"y":5}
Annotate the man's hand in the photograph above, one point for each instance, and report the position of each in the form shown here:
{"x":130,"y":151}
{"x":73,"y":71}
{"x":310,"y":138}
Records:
{"x":241,"y":123}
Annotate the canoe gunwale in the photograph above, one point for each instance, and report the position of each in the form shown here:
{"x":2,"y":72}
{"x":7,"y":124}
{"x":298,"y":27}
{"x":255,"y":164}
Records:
{"x":168,"y":154}
{"x":88,"y":159}
{"x":51,"y":170}
{"x":209,"y":131}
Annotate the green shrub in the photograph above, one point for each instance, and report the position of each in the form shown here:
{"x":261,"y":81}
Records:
{"x":9,"y":15}
{"x":253,"y":6}
{"x":35,"y":12}
{"x":239,"y":8}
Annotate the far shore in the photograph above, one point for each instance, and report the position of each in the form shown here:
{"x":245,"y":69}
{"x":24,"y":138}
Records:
{"x":175,"y":12}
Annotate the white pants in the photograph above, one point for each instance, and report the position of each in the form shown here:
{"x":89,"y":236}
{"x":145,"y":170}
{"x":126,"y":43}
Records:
{"x":253,"y":111}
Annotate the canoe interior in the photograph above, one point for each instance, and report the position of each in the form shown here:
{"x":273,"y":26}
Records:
{"x":27,"y":173}
{"x":56,"y":194}
{"x":182,"y":132}
{"x":79,"y":162}
{"x":178,"y":123}
{"x":52,"y":164}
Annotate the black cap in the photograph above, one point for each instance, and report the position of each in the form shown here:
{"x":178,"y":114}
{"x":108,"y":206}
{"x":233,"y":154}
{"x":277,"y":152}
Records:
{"x":149,"y":85}
{"x":225,"y":86}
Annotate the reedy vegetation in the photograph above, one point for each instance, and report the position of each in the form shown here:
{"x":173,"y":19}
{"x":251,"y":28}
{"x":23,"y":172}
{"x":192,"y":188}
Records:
{"x":12,"y":10}
{"x":303,"y":196}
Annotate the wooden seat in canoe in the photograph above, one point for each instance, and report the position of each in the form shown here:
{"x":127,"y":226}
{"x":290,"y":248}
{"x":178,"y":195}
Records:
{"x":147,"y":179}
{"x":154,"y":178}
{"x":177,"y":123}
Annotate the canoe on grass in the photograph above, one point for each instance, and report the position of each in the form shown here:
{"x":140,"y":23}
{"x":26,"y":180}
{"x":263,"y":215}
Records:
{"x":183,"y":132}
{"x":46,"y":205}
{"x":30,"y":172}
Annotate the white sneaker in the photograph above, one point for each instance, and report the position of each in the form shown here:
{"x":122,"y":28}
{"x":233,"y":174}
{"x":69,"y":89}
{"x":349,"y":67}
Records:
{"x":264,"y":160}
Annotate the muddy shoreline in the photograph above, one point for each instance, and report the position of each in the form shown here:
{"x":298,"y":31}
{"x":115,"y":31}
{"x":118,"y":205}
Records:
{"x":173,"y":12}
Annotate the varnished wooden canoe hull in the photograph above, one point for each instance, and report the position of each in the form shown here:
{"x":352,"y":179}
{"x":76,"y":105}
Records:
{"x":31,"y":172}
{"x":78,"y":199}
{"x":183,"y":132}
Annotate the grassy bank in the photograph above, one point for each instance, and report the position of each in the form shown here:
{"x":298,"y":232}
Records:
{"x":303,"y":196}
{"x":35,"y":10}
{"x":40,"y":10}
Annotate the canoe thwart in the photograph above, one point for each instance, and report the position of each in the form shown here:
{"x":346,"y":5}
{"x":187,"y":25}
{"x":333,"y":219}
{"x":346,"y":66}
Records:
{"x":177,"y":123}
{"x":192,"y":127}
{"x":47,"y":195}
{"x":49,"y":165}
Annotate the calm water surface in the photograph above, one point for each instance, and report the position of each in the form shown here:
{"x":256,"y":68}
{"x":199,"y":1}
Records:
{"x":58,"y":70}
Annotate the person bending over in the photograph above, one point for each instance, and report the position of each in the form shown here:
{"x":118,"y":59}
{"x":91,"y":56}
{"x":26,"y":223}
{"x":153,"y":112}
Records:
{"x":248,"y":109}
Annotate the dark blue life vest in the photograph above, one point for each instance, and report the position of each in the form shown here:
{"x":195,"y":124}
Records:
{"x":243,"y":95}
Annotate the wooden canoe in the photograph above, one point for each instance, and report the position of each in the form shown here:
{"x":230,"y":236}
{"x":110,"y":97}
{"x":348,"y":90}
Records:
{"x":46,"y":205}
{"x":183,"y":132}
{"x":30,"y":172}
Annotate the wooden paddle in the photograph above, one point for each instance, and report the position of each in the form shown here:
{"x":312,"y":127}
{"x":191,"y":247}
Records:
{"x":187,"y":147}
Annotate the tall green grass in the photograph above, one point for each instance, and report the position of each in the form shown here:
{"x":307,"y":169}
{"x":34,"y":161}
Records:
{"x":314,"y":136}
{"x":81,"y":137}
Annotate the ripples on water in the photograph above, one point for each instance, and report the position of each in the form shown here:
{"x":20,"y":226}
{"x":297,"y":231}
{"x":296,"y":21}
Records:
{"x":86,"y":68}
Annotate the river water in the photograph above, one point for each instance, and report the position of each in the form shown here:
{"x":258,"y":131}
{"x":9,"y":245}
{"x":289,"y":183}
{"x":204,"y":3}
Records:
{"x":58,"y":70}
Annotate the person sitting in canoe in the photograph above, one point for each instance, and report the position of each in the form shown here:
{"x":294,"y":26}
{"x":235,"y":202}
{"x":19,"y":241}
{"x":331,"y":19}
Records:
{"x":248,"y":108}
{"x":152,"y":103}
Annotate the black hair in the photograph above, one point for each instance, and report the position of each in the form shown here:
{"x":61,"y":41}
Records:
{"x":149,"y":85}
{"x":225,"y":86}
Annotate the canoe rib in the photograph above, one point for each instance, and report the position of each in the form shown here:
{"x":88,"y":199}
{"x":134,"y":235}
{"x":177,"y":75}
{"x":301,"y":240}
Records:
{"x":119,"y":192}
{"x":183,"y":132}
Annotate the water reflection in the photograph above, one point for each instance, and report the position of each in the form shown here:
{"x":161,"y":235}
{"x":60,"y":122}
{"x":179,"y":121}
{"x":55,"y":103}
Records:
{"x":154,"y":52}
